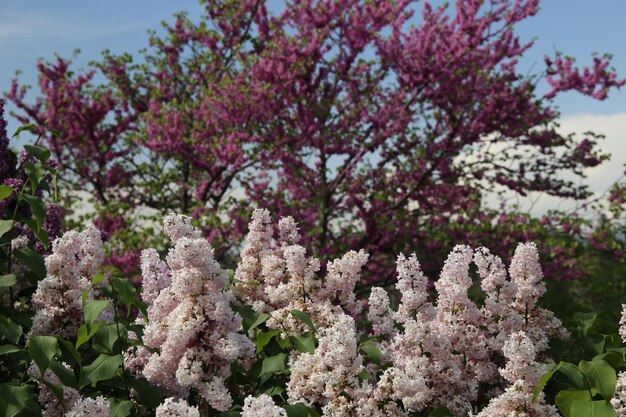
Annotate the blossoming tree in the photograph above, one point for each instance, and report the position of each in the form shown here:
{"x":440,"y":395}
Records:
{"x":374,"y":123}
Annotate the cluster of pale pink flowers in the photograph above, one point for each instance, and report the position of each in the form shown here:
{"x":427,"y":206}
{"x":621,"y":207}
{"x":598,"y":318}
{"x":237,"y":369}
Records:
{"x":191,"y":330}
{"x":72,"y":404}
{"x":522,"y":372}
{"x":440,"y":354}
{"x":444,"y":354}
{"x":75,"y":258}
{"x":176,"y":408}
{"x":619,"y":400}
{"x":276,"y":276}
{"x":441,"y":351}
{"x":261,"y":406}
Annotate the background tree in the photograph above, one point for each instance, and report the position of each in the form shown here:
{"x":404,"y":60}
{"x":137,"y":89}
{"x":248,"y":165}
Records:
{"x":377,"y":126}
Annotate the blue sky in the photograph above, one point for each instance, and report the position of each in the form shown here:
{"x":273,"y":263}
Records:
{"x":38,"y":28}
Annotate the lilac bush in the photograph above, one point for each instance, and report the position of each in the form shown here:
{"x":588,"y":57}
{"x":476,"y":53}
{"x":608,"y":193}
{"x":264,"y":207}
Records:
{"x":279,"y":337}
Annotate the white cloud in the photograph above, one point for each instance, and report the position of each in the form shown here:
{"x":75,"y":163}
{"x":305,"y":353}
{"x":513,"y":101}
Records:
{"x":600,"y":178}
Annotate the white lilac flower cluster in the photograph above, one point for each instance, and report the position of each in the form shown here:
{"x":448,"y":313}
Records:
{"x":74,"y":260}
{"x":523,"y":373}
{"x":619,"y":400}
{"x":261,"y":406}
{"x":73,"y":405}
{"x":90,"y":407}
{"x":447,"y":351}
{"x":438,"y":354}
{"x":176,"y":408}
{"x":276,"y":276}
{"x":191,"y":327}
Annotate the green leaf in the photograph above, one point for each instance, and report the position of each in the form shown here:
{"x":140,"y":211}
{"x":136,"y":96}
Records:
{"x":564,"y":399}
{"x":93,"y":310}
{"x":259,"y":320}
{"x":299,"y":410}
{"x":601,"y":376}
{"x":304,"y":343}
{"x":105,"y":338}
{"x":56,"y":133}
{"x":613,"y":341}
{"x":42,"y":349}
{"x":102,"y":368}
{"x":11,"y":330}
{"x":97,"y":279}
{"x":275,"y":390}
{"x":120,"y":408}
{"x":5,"y":227}
{"x":143,"y":307}
{"x":613,"y":358}
{"x":574,"y":375}
{"x":372,"y":352}
{"x":70,"y":348}
{"x":40,"y":233}
{"x":440,"y":412}
{"x":248,"y":316}
{"x":263,"y":338}
{"x":147,"y":394}
{"x":283,"y":343}
{"x":582,"y":408}
{"x":14,"y":399}
{"x":303,"y":317}
{"x":30,"y":127}
{"x":585,"y":321}
{"x":56,"y":389}
{"x":38,"y":152}
{"x":273,"y":365}
{"x":66,"y":376}
{"x":85,"y":334}
{"x":6,"y":349}
{"x":596,"y":343}
{"x":33,"y":260}
{"x":5,"y":191}
{"x":38,"y":208}
{"x":543,"y":380}
{"x":35,"y":173}
{"x":7,"y":280}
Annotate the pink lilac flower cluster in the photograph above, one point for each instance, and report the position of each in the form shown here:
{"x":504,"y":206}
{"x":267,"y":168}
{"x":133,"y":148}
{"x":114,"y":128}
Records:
{"x":619,"y":400}
{"x":73,"y":405}
{"x":90,"y":407}
{"x":50,"y":404}
{"x":176,"y":408}
{"x":74,"y":260}
{"x":275,"y":276}
{"x":448,"y":351}
{"x":522,"y":372}
{"x":191,"y":327}
{"x":439,"y":354}
{"x":261,"y":406}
